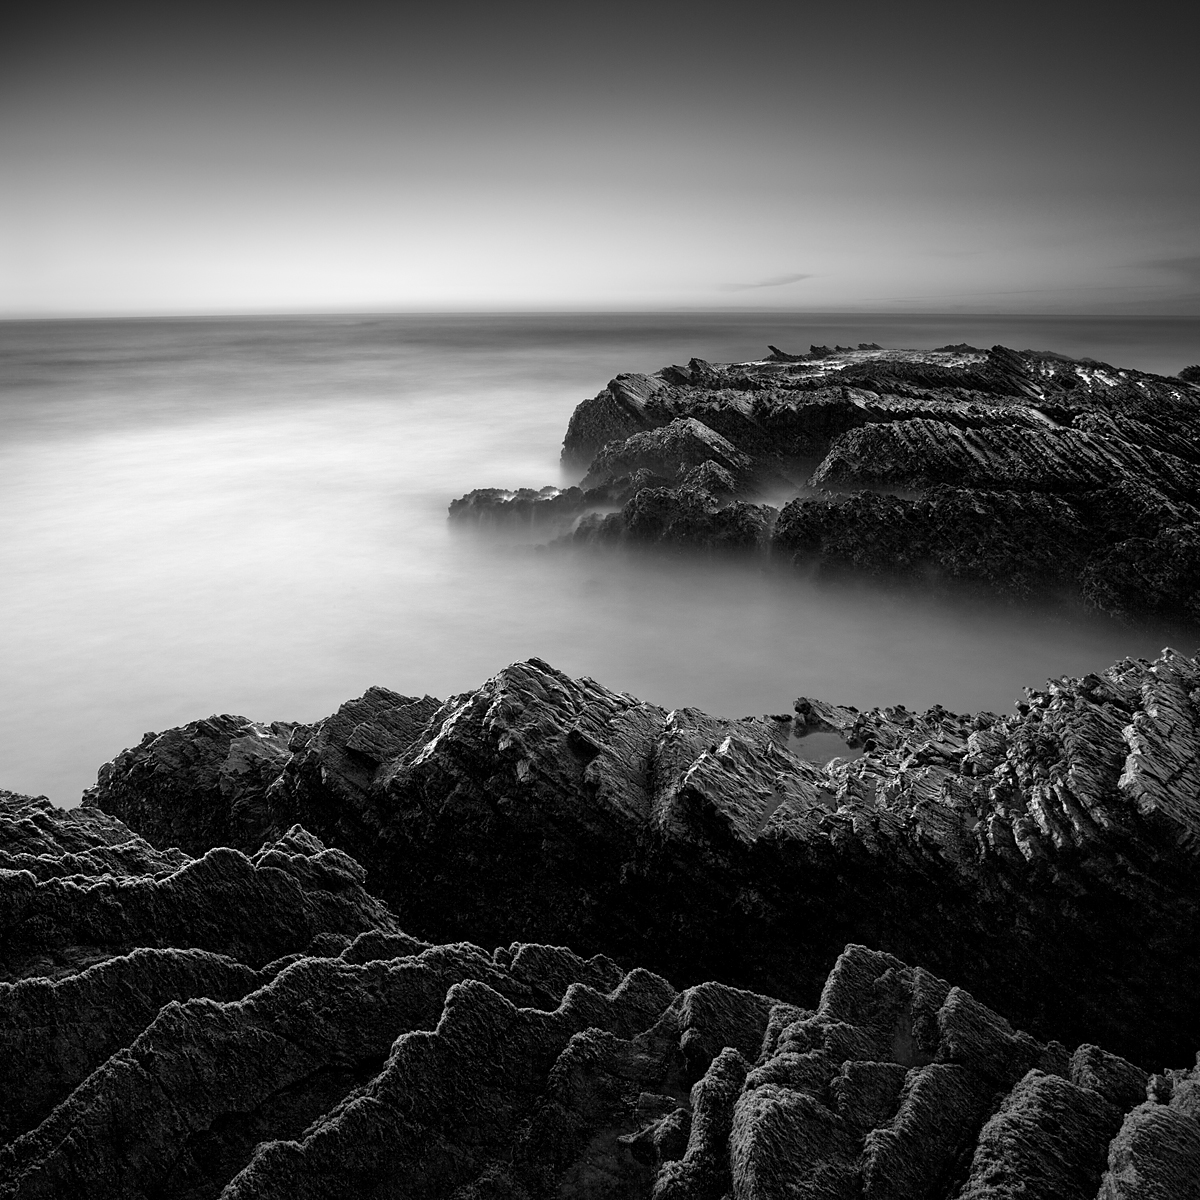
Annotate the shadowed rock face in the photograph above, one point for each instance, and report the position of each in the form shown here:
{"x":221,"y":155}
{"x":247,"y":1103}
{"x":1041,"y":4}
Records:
{"x":60,"y":916}
{"x":374,"y":1064}
{"x":1047,"y":859}
{"x":1025,"y":472}
{"x":98,"y":930}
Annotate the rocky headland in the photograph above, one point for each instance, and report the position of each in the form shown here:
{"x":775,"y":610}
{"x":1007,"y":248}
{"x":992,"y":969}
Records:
{"x":1020,"y":472}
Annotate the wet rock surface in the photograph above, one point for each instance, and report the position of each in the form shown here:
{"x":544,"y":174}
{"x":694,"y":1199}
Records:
{"x":1021,"y":471}
{"x":371,"y":1063}
{"x":1045,"y":859}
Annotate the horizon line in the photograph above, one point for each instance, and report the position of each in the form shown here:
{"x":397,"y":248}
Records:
{"x":606,"y":310}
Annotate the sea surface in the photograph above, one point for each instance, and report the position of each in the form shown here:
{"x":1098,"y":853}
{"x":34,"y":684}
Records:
{"x":248,"y":515}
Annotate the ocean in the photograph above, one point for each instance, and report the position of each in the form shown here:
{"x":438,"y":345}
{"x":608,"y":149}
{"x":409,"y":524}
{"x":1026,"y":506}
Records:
{"x":248,"y":515}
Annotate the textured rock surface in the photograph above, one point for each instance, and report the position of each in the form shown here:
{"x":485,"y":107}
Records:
{"x":263,"y":906}
{"x":1046,"y":859}
{"x":1021,"y":471}
{"x":98,"y":931}
{"x":379,"y":1065}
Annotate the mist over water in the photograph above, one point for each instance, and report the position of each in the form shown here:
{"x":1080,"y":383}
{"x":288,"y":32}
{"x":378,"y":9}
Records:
{"x":249,"y":515}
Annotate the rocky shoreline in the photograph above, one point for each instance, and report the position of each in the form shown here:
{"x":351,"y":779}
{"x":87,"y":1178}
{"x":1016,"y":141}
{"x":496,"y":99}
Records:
{"x":1046,"y":859}
{"x":254,"y":962}
{"x":546,"y":940}
{"x":259,"y":1026}
{"x":1023,"y":472}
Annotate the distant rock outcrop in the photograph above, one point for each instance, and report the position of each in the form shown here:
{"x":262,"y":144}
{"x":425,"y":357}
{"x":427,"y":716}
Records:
{"x":1046,"y":859}
{"x":370,"y":1063}
{"x":985,"y":466}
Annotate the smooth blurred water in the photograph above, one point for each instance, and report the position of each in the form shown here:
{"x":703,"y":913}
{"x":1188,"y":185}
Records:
{"x":249,"y":515}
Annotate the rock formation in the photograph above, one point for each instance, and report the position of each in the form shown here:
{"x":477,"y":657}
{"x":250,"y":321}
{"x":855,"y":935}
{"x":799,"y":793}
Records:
{"x":1046,"y":859}
{"x":98,"y":930}
{"x":282,"y":1037}
{"x":253,"y":963}
{"x":1021,"y":471}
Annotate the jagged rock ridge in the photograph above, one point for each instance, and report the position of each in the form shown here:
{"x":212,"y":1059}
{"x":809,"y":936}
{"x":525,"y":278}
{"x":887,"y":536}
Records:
{"x":374,"y":1064}
{"x":1023,"y":471}
{"x":1046,"y":859}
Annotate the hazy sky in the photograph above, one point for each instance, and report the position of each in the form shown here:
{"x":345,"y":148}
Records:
{"x":186,"y":158}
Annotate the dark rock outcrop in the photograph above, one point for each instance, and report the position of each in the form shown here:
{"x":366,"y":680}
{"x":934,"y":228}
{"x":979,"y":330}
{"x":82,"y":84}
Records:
{"x":612,"y":415}
{"x":265,"y":905}
{"x":991,"y":464}
{"x":682,"y":516}
{"x":379,"y":1065}
{"x":1046,"y":859}
{"x":671,"y":450}
{"x":1011,"y":539}
{"x":98,"y":931}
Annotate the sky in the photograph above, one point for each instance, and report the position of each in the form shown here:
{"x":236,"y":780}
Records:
{"x":930,"y":157}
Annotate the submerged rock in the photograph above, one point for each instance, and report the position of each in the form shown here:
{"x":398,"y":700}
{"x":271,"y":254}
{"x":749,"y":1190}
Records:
{"x":1017,"y":470}
{"x":1046,"y":859}
{"x":377,"y":1064}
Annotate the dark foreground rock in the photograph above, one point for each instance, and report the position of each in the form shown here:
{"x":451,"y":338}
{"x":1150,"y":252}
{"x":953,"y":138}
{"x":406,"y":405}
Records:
{"x":1024,"y":472}
{"x":369,"y":1063}
{"x":1047,"y":859}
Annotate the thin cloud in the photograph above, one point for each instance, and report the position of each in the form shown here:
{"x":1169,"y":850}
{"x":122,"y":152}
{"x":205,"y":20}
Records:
{"x":1187,"y":265}
{"x":774,"y":281}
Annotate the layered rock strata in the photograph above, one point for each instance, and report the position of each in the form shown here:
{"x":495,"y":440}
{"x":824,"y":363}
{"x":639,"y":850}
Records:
{"x":373,"y":1064}
{"x":1023,"y":471}
{"x":1046,"y":859}
{"x":99,"y":930}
